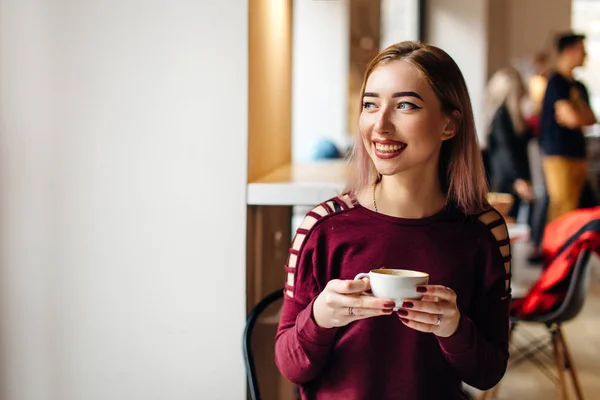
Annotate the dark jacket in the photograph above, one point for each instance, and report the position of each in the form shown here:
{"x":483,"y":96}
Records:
{"x":508,"y":156}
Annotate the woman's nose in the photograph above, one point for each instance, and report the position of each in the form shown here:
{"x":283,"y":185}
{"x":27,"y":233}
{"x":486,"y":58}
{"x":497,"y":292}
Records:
{"x":384,"y":123}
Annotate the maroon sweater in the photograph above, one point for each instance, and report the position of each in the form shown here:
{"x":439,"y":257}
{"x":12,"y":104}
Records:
{"x":380,"y":358}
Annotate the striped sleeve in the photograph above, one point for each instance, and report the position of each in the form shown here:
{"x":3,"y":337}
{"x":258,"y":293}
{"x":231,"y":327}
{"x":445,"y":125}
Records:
{"x":495,"y":223}
{"x":330,"y":207}
{"x":478,"y":350}
{"x":301,"y":346}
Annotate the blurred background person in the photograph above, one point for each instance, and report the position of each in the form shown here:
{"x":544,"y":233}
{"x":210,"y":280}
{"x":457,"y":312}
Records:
{"x":537,"y":84}
{"x":537,"y":87}
{"x":565,"y":110}
{"x":507,"y":137}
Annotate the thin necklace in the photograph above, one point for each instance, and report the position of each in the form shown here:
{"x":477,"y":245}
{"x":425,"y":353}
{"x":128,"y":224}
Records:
{"x":374,"y":201}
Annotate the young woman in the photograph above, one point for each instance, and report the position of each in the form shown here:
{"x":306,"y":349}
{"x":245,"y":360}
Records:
{"x":417,"y":200}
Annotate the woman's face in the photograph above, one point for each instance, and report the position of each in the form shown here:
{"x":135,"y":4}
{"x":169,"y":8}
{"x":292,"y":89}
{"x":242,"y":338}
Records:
{"x":401,"y":124}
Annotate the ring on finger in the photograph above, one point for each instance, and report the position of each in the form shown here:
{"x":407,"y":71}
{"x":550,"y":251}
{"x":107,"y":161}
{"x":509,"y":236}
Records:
{"x":351,"y":311}
{"x":439,"y":320}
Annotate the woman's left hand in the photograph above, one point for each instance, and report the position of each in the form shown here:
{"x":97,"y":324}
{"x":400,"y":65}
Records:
{"x":436,"y":312}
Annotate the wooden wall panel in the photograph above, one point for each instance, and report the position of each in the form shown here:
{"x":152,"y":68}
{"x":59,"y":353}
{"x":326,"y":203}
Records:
{"x":270,"y":86}
{"x":365,"y":35}
{"x":269,"y":147}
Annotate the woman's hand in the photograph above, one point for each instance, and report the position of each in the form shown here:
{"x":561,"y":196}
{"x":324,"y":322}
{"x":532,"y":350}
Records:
{"x":524,"y":189}
{"x":436,"y":312}
{"x":342,"y":302}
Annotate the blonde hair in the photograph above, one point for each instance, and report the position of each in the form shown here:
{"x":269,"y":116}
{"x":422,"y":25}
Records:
{"x":505,"y":88}
{"x":461,"y":171}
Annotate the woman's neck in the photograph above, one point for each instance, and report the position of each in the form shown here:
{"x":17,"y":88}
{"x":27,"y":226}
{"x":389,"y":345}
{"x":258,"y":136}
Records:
{"x":408,"y":195}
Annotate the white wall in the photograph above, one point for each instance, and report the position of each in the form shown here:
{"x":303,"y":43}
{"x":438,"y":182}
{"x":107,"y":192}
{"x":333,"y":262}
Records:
{"x":123,"y":123}
{"x":519,"y":30}
{"x":459,"y":27}
{"x":585,"y":20}
{"x":533,"y":25}
{"x":319,"y":74}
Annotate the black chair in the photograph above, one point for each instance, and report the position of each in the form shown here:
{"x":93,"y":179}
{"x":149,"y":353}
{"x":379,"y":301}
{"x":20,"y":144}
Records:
{"x":249,"y":363}
{"x":577,"y":288}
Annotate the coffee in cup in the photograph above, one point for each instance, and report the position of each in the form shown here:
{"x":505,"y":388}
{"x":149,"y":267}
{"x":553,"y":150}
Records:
{"x":396,"y":284}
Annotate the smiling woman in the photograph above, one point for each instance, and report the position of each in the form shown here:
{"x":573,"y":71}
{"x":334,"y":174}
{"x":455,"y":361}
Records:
{"x":416,"y":201}
{"x":416,"y":93}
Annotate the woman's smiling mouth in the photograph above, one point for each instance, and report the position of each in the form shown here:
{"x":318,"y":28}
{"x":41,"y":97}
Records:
{"x":386,"y":149}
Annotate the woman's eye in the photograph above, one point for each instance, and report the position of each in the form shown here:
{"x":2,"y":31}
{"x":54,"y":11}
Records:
{"x":406,"y":105}
{"x":368,"y":105}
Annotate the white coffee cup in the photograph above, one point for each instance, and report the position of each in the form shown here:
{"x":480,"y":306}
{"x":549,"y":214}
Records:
{"x":396,"y":284}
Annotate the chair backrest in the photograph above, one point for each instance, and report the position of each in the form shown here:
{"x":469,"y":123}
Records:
{"x":559,"y":293}
{"x":579,"y":283}
{"x":249,"y":363}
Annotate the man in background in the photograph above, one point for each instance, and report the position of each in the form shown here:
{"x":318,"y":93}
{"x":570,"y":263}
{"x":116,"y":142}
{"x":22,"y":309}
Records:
{"x":565,"y":110}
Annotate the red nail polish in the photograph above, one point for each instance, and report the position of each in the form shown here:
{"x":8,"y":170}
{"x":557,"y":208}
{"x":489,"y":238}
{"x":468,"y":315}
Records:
{"x":404,"y":320}
{"x":407,"y":304}
{"x":389,"y":304}
{"x":388,"y":310}
{"x":421,"y":289}
{"x":403,"y":312}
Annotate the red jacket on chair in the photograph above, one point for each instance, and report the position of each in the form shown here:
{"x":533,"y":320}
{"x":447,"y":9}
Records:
{"x":564,"y":238}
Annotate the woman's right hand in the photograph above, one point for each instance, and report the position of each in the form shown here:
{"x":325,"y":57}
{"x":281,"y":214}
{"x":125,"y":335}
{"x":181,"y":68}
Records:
{"x":524,"y":190}
{"x":343,"y":301}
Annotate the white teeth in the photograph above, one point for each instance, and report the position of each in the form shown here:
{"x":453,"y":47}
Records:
{"x":389,"y":148}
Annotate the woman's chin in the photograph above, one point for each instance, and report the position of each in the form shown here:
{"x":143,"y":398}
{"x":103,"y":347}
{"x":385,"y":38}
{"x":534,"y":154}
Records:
{"x":387,"y":168}
{"x":387,"y":171}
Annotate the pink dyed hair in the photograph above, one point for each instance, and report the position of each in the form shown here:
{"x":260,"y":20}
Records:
{"x":461,"y":170}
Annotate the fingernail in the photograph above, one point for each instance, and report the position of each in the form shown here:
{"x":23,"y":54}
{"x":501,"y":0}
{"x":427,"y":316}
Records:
{"x":388,"y":310}
{"x":407,"y":304}
{"x":403,"y":312}
{"x":421,"y":289}
{"x":404,"y":320}
{"x":389,"y":304}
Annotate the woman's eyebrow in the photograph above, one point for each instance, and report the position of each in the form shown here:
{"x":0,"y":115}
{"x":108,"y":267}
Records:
{"x":397,"y":94}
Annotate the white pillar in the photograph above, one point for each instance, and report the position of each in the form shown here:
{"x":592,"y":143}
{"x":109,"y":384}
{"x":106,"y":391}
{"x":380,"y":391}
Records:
{"x":399,"y":21}
{"x":459,"y":27}
{"x":123,"y":166}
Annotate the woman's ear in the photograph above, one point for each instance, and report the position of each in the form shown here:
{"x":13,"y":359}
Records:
{"x":452,"y":126}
